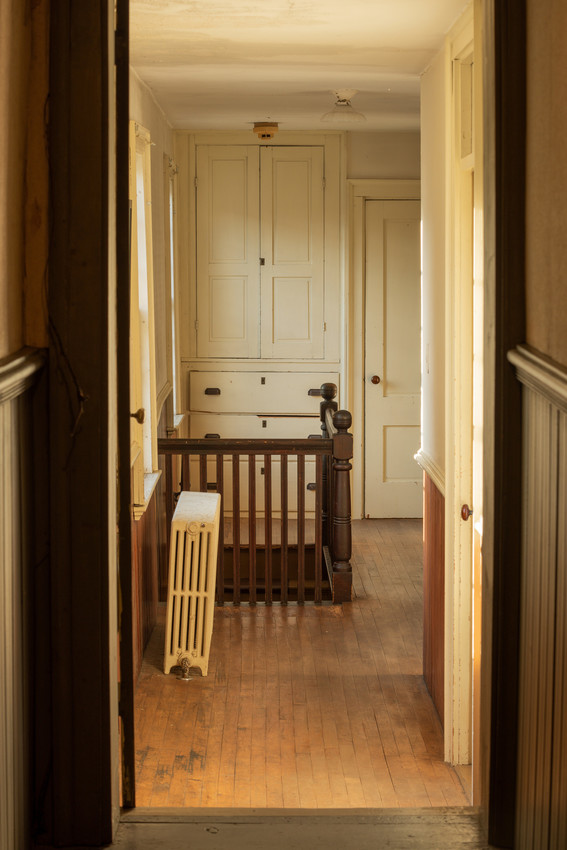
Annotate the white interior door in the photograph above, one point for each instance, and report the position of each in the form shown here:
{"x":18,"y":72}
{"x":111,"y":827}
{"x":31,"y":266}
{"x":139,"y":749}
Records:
{"x":393,"y":482}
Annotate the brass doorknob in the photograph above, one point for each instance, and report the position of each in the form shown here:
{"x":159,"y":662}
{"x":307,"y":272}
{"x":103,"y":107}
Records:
{"x":375,"y":379}
{"x":139,"y":415}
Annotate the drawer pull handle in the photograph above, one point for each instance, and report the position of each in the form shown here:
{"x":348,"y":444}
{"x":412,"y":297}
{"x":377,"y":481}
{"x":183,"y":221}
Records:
{"x":312,"y":486}
{"x":314,"y":436}
{"x":212,"y":436}
{"x":211,"y":485}
{"x":212,"y":391}
{"x":314,"y":392}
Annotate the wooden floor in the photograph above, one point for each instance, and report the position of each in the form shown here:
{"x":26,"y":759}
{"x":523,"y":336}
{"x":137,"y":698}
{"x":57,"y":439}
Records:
{"x":312,"y":707}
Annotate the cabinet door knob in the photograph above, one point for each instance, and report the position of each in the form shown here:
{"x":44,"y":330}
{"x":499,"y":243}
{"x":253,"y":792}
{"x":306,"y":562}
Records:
{"x":466,"y":512}
{"x":139,"y":415}
{"x":375,"y":379}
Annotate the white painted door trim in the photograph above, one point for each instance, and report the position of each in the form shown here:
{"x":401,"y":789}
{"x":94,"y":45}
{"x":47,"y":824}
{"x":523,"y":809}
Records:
{"x":361,"y":191}
{"x":458,"y":413}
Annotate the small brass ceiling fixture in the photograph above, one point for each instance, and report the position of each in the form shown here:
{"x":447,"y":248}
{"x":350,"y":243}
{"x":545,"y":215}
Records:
{"x":343,"y":111}
{"x":265,"y":129}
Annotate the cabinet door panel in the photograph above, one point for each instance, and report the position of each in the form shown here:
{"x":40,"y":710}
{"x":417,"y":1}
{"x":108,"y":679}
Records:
{"x":228,"y":251}
{"x":292,"y":243}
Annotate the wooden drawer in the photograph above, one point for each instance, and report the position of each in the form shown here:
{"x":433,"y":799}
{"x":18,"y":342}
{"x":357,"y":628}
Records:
{"x":232,"y":426}
{"x":260,"y":480}
{"x":256,"y":392}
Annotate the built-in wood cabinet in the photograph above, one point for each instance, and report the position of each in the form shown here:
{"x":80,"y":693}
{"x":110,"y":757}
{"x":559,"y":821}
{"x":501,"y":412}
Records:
{"x":262,"y":268}
{"x":260,"y":251}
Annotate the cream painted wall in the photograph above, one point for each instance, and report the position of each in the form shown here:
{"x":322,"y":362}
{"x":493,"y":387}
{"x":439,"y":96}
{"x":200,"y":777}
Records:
{"x":23,"y":174}
{"x":145,"y":110}
{"x":546,"y":179}
{"x":433,"y":179}
{"x":383,"y":156}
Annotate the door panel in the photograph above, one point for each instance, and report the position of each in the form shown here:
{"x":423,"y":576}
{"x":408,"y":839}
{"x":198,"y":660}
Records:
{"x":228,"y":251}
{"x":292,"y":247}
{"x":393,"y":485}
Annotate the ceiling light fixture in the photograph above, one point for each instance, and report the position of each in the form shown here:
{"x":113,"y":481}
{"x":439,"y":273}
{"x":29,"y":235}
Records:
{"x":343,"y":110}
{"x":265,"y":129}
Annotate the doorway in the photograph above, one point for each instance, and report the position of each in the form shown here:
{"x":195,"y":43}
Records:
{"x":392,"y":373}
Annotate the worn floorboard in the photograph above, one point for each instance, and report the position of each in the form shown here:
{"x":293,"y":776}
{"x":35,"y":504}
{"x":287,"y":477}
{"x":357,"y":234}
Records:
{"x":304,"y":707}
{"x":414,"y":829}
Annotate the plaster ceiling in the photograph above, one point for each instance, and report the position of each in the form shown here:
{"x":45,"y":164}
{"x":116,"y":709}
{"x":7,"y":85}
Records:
{"x":224,"y":64}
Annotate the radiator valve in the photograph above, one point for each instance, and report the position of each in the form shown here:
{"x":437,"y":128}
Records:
{"x":185,"y":665}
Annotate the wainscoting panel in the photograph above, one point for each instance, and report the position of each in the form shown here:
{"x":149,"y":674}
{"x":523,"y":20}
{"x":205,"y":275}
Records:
{"x":17,"y":374}
{"x":434,"y":592}
{"x":144,"y":579}
{"x":541,"y":820}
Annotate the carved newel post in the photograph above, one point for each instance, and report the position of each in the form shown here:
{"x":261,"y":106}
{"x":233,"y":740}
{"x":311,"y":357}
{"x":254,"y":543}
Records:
{"x":342,"y":454}
{"x":328,"y":393}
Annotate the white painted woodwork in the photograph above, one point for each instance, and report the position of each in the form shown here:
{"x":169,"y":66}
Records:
{"x":253,"y":426}
{"x":292,"y":247}
{"x":228,"y":251}
{"x":257,"y":392}
{"x":143,"y":451}
{"x":16,"y":375}
{"x":360,"y":192}
{"x":393,"y":485}
{"x":541,"y":820}
{"x":236,"y":295}
{"x":192,"y":580}
{"x":464,"y":243}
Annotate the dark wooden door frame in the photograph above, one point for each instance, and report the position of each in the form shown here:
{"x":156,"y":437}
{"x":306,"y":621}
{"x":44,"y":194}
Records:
{"x":77,"y":799}
{"x":504,"y":145}
{"x":78,"y":805}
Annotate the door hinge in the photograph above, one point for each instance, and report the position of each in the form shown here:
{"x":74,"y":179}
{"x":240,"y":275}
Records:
{"x":324,"y":182}
{"x":196,"y":182}
{"x":196,"y":323}
{"x":262,"y":261}
{"x":324,"y":327}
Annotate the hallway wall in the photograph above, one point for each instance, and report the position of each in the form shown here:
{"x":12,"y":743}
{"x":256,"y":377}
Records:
{"x":383,"y":156}
{"x":541,"y":798}
{"x":24,"y":36}
{"x":546,"y":180}
{"x":432,"y":452}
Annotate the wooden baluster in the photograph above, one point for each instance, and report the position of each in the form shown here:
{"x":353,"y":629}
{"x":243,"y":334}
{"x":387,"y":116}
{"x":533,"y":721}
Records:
{"x":236,"y":529}
{"x":318,"y":526}
{"x":185,"y":472}
{"x":301,"y":528}
{"x":169,"y":506}
{"x":342,"y":538}
{"x":203,"y":473}
{"x":328,"y":392}
{"x":252,"y":527}
{"x":268,"y":525}
{"x":284,"y":528}
{"x":220,"y":555}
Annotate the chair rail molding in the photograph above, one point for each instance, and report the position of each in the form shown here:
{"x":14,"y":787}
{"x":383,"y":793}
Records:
{"x":432,"y":469}
{"x":539,"y":373}
{"x":18,"y":371}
